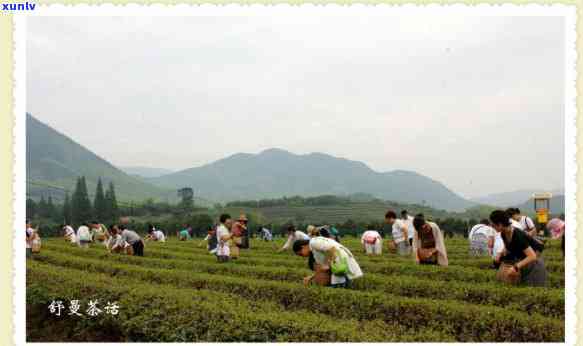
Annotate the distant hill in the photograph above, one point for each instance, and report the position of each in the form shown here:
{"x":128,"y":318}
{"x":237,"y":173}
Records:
{"x":510,"y":199}
{"x":146,"y":172}
{"x":275,"y":173}
{"x":54,"y":159}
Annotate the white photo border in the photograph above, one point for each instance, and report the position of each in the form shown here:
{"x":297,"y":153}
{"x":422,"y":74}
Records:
{"x":19,"y":177}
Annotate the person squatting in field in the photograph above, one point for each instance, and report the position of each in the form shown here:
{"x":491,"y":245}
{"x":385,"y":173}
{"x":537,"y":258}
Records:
{"x":428,"y":244}
{"x":292,"y":236}
{"x":372,"y":242}
{"x":99,"y":232}
{"x":482,"y":237}
{"x":224,"y":238}
{"x":128,"y":237}
{"x":185,"y":233}
{"x":328,"y":259}
{"x":69,"y":233}
{"x":408,"y":219}
{"x":521,"y":261}
{"x":265,"y":234}
{"x":155,"y":234}
{"x":399,"y":232}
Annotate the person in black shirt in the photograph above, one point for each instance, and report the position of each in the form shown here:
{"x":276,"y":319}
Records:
{"x":521,"y":250}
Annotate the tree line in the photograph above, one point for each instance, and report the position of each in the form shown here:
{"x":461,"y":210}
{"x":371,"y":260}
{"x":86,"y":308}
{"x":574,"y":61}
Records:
{"x":78,"y":207}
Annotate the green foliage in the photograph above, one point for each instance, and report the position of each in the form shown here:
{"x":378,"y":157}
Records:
{"x":81,"y":205}
{"x":111,"y":207}
{"x":191,"y":315}
{"x":31,"y":209}
{"x":67,"y":216}
{"x":100,"y":203}
{"x":53,"y":159}
{"x":466,"y":321}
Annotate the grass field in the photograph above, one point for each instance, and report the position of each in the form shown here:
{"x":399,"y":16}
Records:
{"x":178,"y":292}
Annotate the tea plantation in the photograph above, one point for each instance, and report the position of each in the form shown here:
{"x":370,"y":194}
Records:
{"x":179,"y":293}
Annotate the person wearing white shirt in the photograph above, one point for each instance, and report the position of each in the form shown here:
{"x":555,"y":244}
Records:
{"x":265,"y":234}
{"x":525,"y":222}
{"x":224,"y":238}
{"x":69,"y":233}
{"x":29,"y":236}
{"x":482,"y":237}
{"x":292,"y":236}
{"x":410,"y":228}
{"x":372,"y":242}
{"x":84,"y":236}
{"x":329,"y":255}
{"x":159,"y":236}
{"x":400,"y":233}
{"x":155,"y":234}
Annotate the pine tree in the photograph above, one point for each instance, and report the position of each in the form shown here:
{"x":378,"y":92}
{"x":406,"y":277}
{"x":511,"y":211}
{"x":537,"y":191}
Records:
{"x":99,"y":204}
{"x":51,"y":209}
{"x":67,"y":210}
{"x":75,"y":211}
{"x":81,"y":205}
{"x":111,"y":204}
{"x":31,"y":209}
{"x":42,"y":207}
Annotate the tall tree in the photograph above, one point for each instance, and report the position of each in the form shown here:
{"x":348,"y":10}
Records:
{"x":42,"y":207}
{"x":99,"y":204}
{"x":51,"y":209}
{"x":81,"y":205}
{"x":67,"y":210}
{"x":111,"y":210}
{"x":31,"y":209}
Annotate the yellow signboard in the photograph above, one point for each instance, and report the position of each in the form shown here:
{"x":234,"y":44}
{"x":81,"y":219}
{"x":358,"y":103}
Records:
{"x":542,"y":216}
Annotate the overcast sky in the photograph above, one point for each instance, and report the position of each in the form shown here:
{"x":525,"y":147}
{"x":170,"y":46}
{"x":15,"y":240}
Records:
{"x":476,"y":103}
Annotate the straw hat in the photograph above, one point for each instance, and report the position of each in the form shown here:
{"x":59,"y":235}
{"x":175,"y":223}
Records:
{"x":242,"y":217}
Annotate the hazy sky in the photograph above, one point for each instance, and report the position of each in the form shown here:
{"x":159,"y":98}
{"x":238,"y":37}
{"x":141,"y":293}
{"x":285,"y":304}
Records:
{"x":476,"y":103}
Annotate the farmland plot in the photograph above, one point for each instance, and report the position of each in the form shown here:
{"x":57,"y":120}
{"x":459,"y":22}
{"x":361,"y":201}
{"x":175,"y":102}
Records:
{"x":178,"y":292}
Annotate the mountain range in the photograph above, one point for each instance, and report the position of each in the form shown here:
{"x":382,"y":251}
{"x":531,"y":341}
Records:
{"x":54,"y":161}
{"x":512,"y":198}
{"x":275,"y":173}
{"x":145,"y":172}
